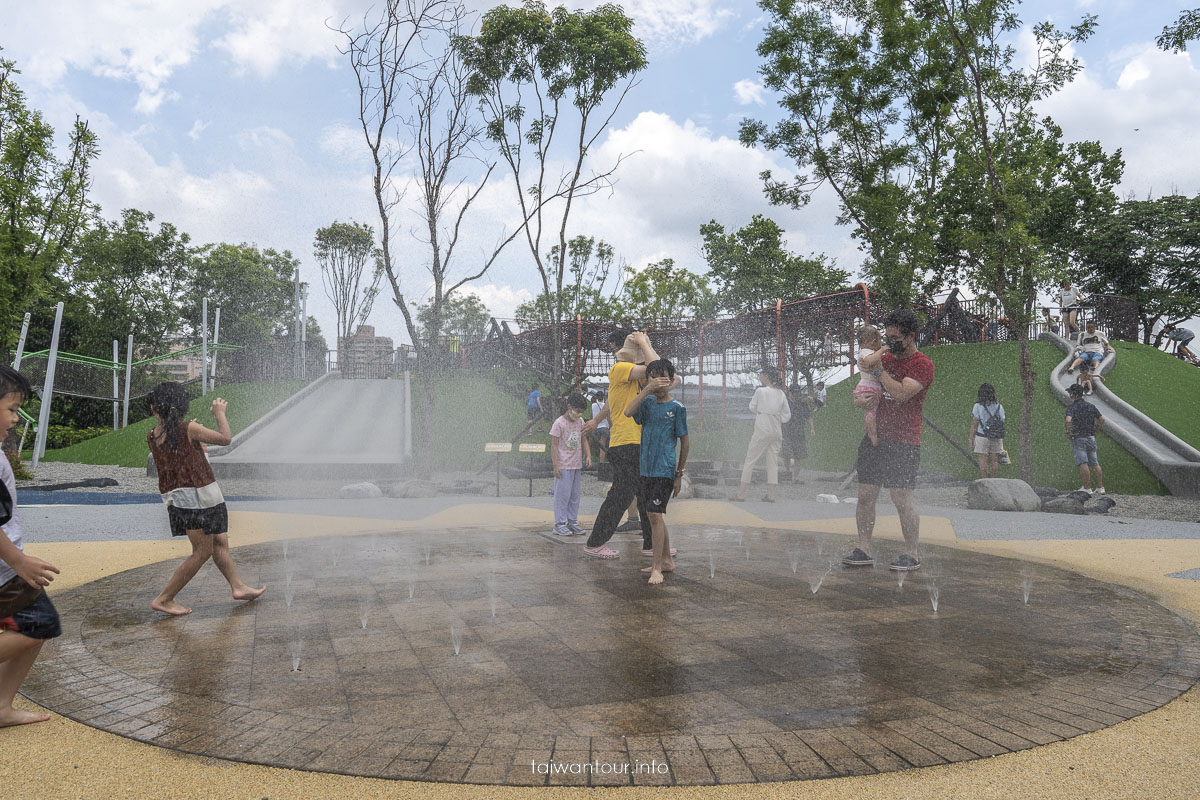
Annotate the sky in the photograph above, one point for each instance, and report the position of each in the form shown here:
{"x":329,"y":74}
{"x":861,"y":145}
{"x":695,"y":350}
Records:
{"x":236,"y":121}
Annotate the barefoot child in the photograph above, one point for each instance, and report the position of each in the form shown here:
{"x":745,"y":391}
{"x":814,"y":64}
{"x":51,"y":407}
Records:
{"x":27,"y":617}
{"x":566,"y":437}
{"x":869,"y":391}
{"x":195,"y":505}
{"x":663,"y":421}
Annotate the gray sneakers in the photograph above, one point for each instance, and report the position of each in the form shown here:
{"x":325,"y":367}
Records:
{"x":858,"y":558}
{"x":905,"y":563}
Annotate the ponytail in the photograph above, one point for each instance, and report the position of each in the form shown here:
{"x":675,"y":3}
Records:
{"x":170,"y":401}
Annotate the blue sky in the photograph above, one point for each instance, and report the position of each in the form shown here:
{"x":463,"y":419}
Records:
{"x":235,"y":121}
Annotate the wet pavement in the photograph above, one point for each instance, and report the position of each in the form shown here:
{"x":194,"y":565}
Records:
{"x":573,"y":671}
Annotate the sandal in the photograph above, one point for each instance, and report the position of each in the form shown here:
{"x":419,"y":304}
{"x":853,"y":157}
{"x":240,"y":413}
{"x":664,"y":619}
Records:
{"x":603,"y":551}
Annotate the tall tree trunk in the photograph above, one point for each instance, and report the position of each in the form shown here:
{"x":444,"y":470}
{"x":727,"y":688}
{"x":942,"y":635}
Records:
{"x":1028,"y":377}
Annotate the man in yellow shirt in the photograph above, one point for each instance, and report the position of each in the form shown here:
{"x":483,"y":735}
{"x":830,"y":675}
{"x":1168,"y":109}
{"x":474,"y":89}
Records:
{"x":633,"y":352}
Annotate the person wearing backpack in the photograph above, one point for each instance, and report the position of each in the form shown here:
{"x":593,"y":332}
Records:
{"x":987,"y":431}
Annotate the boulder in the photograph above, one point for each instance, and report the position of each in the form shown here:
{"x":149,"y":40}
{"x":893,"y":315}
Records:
{"x":706,"y":492}
{"x":1067,"y":504}
{"x":1099,"y":505}
{"x":850,"y":500}
{"x":359,"y":491}
{"x":413,"y":488}
{"x":1002,"y":494}
{"x":827,"y":498}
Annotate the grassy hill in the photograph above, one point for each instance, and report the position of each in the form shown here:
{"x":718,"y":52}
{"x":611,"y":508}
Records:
{"x":127,"y":447}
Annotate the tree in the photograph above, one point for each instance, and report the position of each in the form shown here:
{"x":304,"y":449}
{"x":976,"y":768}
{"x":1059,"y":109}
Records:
{"x":567,"y":66}
{"x":404,"y":58}
{"x":868,"y":87}
{"x":252,"y":287}
{"x":343,"y":251}
{"x":133,"y":281}
{"x":662,"y":294}
{"x":463,"y":315}
{"x":1008,"y":164}
{"x":1186,"y":28}
{"x":43,"y":200}
{"x":590,"y":264}
{"x":1149,"y":250}
{"x":752,"y":268}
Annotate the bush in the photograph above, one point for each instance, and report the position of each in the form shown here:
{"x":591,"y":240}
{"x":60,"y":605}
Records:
{"x":19,"y":471}
{"x":64,"y":435}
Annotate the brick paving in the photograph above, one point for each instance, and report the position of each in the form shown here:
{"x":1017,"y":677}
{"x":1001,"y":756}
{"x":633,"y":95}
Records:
{"x":572,"y":671}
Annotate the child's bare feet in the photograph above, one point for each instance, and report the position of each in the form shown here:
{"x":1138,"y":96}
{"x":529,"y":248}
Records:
{"x":656,"y":578}
{"x":170,"y":607}
{"x":248,"y":593}
{"x":14,"y":716}
{"x":668,"y":567}
{"x":874,"y":441}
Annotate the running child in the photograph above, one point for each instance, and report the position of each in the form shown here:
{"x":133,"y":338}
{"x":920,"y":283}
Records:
{"x":869,"y":391}
{"x":195,"y":505}
{"x":663,"y":421}
{"x":566,"y":440}
{"x":27,"y":617}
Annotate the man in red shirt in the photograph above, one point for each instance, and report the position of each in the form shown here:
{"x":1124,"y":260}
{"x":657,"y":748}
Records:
{"x":906,"y":375}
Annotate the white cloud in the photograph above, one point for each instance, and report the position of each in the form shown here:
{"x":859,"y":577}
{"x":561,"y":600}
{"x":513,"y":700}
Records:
{"x":342,"y":141}
{"x":1150,"y":113}
{"x":269,"y":33}
{"x":747,"y":91}
{"x":501,"y":300}
{"x":197,"y":129}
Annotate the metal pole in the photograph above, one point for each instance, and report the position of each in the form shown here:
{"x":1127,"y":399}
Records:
{"x":116,"y":384}
{"x":212,"y":383}
{"x":304,"y":332}
{"x":21,"y":341}
{"x":128,"y":374}
{"x":39,"y":447}
{"x":408,"y":415}
{"x":296,"y":324}
{"x":203,"y":346}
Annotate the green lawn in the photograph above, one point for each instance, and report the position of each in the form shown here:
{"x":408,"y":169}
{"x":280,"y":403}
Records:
{"x":1160,"y":385}
{"x":127,"y":447}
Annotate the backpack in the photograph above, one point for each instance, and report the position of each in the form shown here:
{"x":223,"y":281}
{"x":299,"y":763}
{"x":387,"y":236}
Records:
{"x":993,"y":427}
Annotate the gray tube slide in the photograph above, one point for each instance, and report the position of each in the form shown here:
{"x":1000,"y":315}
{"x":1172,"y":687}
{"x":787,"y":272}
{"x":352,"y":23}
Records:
{"x":1172,"y":460}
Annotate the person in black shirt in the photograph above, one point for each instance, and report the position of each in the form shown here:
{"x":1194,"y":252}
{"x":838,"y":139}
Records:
{"x":1082,"y":420}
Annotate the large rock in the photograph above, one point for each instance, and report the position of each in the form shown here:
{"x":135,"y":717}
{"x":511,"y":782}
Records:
{"x":414,"y":488}
{"x":1099,"y":505}
{"x":359,"y":491}
{"x":1002,"y":494}
{"x":1067,"y":504}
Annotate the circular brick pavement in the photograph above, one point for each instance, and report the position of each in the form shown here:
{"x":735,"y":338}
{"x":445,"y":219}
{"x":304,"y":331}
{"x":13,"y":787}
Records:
{"x":573,"y":671}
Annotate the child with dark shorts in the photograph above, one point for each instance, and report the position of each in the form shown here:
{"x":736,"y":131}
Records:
{"x":27,"y":617}
{"x":195,"y":505}
{"x":663,"y":421}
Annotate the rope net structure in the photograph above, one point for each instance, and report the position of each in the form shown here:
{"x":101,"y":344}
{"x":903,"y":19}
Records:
{"x":85,"y":376}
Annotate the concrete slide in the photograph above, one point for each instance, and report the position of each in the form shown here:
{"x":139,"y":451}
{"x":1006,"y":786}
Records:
{"x":1172,"y":460}
{"x":332,"y":428}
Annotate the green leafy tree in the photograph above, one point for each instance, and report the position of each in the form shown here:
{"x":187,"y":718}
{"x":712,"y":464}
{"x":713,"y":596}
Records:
{"x":662,"y":294}
{"x":1149,"y":250}
{"x":549,"y":83}
{"x":253,"y":288}
{"x":463,"y":316}
{"x":1185,"y":29}
{"x":133,"y":280}
{"x":587,"y":296}
{"x":351,"y":271}
{"x":752,"y":268}
{"x":43,"y":200}
{"x":868,"y":87}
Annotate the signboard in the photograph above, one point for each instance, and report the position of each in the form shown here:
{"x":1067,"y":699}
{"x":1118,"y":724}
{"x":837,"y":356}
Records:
{"x":498,"y":447}
{"x":531,"y":448}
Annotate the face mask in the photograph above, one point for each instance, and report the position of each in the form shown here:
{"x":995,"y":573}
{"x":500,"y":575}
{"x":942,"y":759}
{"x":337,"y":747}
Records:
{"x":897,"y":346}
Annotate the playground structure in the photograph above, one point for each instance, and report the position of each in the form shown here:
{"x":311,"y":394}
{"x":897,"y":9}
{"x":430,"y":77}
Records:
{"x":51,"y":370}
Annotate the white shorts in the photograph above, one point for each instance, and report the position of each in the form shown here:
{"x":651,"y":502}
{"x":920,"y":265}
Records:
{"x":986,"y":445}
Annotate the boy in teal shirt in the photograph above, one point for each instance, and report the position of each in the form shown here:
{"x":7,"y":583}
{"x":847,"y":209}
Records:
{"x":663,"y":421}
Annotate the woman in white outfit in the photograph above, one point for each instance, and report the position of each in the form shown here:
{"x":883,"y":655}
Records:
{"x":771,"y":410}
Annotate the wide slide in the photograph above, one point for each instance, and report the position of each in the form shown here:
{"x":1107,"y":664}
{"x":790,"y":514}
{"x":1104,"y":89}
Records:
{"x":333,"y":428}
{"x":1172,"y":460}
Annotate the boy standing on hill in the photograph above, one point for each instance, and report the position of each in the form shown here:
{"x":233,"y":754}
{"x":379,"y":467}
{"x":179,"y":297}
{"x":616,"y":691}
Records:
{"x":1082,"y":420}
{"x":663,"y":421}
{"x":569,"y":450}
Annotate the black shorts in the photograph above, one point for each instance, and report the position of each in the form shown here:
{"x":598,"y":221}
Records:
{"x":892,"y":465}
{"x":212,"y":521}
{"x":532,"y":412}
{"x":656,"y":493}
{"x":38,"y":620}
